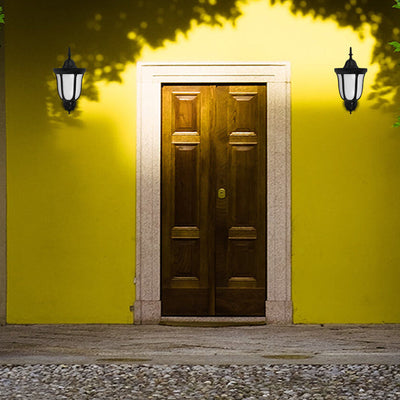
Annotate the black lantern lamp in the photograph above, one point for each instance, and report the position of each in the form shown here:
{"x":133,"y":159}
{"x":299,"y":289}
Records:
{"x":69,"y":82}
{"x":351,"y":82}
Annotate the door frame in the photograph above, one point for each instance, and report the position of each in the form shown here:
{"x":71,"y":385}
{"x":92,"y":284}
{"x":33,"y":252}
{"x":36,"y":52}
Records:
{"x":150,"y":78}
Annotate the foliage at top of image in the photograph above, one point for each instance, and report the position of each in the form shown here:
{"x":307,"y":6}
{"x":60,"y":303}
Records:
{"x":1,"y":15}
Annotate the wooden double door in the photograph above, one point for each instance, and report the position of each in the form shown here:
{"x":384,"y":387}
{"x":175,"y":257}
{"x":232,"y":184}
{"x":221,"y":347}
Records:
{"x":213,"y":200}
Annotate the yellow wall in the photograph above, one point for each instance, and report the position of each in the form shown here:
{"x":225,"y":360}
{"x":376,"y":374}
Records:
{"x":71,"y":185}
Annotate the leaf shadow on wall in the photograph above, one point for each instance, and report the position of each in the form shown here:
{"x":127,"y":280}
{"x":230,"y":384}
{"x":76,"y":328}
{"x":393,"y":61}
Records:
{"x":384,"y":22}
{"x":106,"y":35}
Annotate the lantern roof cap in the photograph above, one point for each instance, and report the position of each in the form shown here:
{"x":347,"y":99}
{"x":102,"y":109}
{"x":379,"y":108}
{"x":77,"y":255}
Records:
{"x":350,"y":67}
{"x":69,"y":66}
{"x":350,"y":63}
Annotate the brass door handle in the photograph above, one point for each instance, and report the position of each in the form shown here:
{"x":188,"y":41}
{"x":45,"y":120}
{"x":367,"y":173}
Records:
{"x":221,"y":193}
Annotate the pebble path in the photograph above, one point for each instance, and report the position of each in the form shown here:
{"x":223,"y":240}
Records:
{"x":140,"y":382}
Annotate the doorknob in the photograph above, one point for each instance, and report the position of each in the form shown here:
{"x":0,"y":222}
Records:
{"x":221,"y":193}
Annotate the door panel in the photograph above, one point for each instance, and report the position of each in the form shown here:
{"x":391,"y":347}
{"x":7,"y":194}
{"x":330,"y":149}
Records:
{"x":185,"y":190}
{"x":213,"y":200}
{"x":240,"y":165}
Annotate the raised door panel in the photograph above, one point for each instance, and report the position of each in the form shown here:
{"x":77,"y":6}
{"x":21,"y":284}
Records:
{"x":185,"y":173}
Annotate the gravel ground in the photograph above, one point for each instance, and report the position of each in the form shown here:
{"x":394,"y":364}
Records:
{"x":121,"y":381}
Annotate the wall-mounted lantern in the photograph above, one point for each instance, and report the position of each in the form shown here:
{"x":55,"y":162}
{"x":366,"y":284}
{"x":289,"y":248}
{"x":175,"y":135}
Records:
{"x":69,"y":82}
{"x":351,"y":82}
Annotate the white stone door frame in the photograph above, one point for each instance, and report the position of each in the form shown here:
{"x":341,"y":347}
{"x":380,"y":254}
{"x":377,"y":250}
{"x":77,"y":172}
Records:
{"x":151,"y":77}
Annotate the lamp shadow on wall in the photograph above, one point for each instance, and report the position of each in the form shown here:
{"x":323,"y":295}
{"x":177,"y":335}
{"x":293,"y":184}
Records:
{"x":105,"y":36}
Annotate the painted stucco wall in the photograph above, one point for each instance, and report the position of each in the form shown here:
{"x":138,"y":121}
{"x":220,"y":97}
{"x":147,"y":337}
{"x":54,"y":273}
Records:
{"x":71,"y":180}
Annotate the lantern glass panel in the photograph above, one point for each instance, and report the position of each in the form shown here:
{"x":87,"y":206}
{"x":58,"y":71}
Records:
{"x":340,"y":81}
{"x":360,"y":84}
{"x":59,"y":85}
{"x":78,"y":86}
{"x":68,"y":86}
{"x":349,"y":86}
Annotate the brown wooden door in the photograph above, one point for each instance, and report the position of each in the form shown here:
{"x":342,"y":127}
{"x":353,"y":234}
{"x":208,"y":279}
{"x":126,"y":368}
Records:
{"x":213,"y":200}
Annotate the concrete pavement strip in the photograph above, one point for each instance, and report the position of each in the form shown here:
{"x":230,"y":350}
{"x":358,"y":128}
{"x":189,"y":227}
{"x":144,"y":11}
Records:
{"x":243,"y":345}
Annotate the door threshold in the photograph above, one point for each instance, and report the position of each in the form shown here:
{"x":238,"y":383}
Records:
{"x":212,"y":321}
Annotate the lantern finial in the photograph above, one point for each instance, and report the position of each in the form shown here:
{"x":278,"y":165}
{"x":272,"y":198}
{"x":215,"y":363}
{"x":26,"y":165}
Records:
{"x":351,"y":53}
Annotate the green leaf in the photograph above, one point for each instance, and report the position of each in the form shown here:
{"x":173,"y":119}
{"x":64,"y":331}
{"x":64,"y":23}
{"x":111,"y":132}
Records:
{"x":397,"y":123}
{"x":395,"y":45}
{"x":397,"y":5}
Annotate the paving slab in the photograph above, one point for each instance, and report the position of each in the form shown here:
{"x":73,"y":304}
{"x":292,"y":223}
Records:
{"x":227,"y":345}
